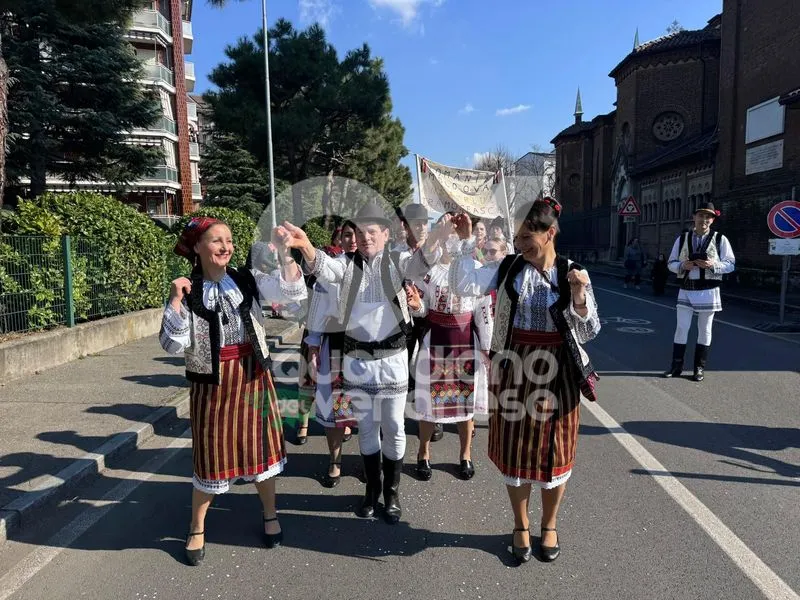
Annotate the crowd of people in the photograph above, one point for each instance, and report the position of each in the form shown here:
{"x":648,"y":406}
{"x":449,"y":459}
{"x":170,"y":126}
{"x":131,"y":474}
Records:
{"x":455,"y":325}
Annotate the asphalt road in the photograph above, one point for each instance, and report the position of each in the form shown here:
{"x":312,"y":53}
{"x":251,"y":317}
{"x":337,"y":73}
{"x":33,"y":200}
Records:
{"x":681,"y":490}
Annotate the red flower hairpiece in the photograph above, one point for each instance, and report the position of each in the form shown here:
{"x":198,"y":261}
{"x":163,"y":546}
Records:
{"x":552,"y":203}
{"x":716,"y":212}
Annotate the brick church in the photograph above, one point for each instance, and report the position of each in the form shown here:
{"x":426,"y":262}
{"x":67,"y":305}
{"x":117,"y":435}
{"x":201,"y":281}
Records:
{"x":704,"y":115}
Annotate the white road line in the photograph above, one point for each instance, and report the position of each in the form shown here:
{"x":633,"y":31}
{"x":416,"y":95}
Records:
{"x":34,"y":562}
{"x":668,"y":307}
{"x":748,"y":562}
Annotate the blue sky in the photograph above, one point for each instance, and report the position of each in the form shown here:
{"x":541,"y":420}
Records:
{"x":467,"y":75}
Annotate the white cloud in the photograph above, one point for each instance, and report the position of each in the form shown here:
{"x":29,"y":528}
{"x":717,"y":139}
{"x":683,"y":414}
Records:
{"x":504,"y":112}
{"x":406,"y":10}
{"x":479,"y":156}
{"x":433,"y":61}
{"x":468,"y":108}
{"x":317,"y":11}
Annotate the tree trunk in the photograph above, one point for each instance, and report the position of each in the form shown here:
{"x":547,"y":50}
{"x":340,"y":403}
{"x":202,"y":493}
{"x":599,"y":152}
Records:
{"x":327,"y":200}
{"x":3,"y":121}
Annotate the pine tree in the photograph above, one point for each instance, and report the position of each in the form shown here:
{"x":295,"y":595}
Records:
{"x":233,"y":177}
{"x":76,"y":92}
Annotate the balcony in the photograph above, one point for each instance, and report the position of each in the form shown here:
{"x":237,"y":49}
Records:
{"x":161,"y":126}
{"x":155,"y":73}
{"x":190,"y":78}
{"x":152,"y":21}
{"x":188,"y":37}
{"x":197,"y":192}
{"x":194,"y":151}
{"x":191,"y":111}
{"x":162,"y":174}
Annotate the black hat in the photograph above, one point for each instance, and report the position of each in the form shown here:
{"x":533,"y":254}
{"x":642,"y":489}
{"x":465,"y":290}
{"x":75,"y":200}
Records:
{"x":708,"y":207}
{"x":415,"y":212}
{"x":371,"y":213}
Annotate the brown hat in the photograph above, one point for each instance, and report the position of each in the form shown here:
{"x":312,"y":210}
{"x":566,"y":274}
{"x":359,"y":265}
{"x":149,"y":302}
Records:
{"x":708,"y":207}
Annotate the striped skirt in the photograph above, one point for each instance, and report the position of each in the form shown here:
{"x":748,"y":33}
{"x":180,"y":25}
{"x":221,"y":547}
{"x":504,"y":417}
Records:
{"x":236,"y":426}
{"x":535,"y":413}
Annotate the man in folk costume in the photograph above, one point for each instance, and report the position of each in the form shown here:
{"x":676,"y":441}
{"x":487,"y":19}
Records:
{"x":699,"y":258}
{"x":373,"y":310}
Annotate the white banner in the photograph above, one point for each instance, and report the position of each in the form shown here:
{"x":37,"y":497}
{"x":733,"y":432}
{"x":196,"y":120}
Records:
{"x":478,"y":193}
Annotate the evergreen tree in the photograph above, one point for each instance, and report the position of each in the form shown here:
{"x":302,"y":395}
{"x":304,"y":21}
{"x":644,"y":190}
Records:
{"x":234,"y":178}
{"x":76,"y":92}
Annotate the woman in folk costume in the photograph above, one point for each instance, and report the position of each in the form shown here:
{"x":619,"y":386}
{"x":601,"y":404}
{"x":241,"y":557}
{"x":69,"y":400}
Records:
{"x":452,"y":363}
{"x":215,"y":318}
{"x":545,"y":311}
{"x":324,"y":342}
{"x":699,"y":258}
{"x":306,"y":383}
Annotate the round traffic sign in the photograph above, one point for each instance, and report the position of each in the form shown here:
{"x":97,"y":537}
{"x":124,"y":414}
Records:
{"x":784,"y":219}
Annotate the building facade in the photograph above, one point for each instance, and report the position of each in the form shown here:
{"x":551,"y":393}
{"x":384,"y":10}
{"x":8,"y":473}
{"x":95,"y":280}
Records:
{"x":161,"y":35}
{"x":704,"y":115}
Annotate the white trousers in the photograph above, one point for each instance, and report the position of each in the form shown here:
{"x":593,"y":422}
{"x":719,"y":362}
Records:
{"x":705,"y":320}
{"x":387,"y":414}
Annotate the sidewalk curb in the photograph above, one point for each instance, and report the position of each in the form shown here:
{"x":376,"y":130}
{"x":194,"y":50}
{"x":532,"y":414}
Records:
{"x":50,"y":489}
{"x":54,"y":487}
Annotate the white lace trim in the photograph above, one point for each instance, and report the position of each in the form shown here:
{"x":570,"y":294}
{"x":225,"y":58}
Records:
{"x":545,"y":485}
{"x":222,"y":486}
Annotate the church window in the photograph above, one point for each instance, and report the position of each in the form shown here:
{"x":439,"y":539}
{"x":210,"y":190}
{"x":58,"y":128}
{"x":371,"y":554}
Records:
{"x":668,"y":126}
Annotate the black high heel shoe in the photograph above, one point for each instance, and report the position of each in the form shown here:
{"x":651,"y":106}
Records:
{"x":272,"y":540}
{"x":302,"y":439}
{"x":549,"y":553}
{"x":195,"y":557}
{"x":424,"y":472}
{"x":329,"y":481}
{"x":521,"y":553}
{"x":466,"y":470}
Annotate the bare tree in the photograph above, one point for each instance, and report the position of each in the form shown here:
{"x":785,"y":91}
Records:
{"x":498,"y":159}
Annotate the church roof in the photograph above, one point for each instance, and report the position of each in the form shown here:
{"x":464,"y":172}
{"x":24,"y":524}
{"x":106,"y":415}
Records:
{"x":672,"y":41}
{"x":675,"y":152}
{"x":580,"y":127}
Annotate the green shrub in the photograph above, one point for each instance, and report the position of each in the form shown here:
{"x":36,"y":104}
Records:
{"x":317,"y":235}
{"x":118,"y":253}
{"x":243,"y":229}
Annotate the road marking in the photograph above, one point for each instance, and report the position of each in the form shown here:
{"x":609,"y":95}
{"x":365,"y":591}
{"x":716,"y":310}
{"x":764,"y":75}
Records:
{"x":748,"y":562}
{"x":668,"y":307}
{"x":37,"y":560}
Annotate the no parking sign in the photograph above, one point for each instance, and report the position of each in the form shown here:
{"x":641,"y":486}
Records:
{"x":784,"y":219}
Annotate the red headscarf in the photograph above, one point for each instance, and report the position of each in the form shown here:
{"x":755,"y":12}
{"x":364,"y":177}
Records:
{"x":191,"y":235}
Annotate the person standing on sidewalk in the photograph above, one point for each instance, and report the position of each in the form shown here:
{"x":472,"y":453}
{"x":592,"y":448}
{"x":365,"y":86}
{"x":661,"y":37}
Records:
{"x":699,"y":258}
{"x":215,"y":319}
{"x":634,"y":261}
{"x":374,"y":313}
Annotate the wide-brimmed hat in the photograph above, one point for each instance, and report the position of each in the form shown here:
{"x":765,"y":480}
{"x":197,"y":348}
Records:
{"x":415,"y":212}
{"x":371,"y":213}
{"x":708,"y":207}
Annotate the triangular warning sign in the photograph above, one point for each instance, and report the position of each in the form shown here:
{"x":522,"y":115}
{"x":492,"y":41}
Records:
{"x":629,"y":208}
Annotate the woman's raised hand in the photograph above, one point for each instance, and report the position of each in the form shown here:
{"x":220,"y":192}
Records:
{"x":179,"y":289}
{"x":463,"y":226}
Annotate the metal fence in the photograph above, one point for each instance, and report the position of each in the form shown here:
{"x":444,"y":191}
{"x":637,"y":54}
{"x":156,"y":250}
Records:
{"x":50,"y":281}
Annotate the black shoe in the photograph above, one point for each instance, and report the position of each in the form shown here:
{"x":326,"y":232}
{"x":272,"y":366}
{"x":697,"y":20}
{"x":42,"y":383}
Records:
{"x":676,"y":369}
{"x":372,"y":494}
{"x":424,"y":472}
{"x":195,"y":557}
{"x":272,"y":540}
{"x":549,"y":553}
{"x":521,"y":553}
{"x":466,"y":470}
{"x":329,"y":481}
{"x":700,"y":358}
{"x":392,"y":470}
{"x":348,"y":436}
{"x":302,"y":439}
{"x":438,"y":432}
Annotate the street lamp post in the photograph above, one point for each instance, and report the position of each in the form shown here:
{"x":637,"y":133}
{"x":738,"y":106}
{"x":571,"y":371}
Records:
{"x":269,"y":116}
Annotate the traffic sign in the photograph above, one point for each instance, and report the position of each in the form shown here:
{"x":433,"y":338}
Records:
{"x":784,"y":247}
{"x":629,"y":220}
{"x":784,"y":219}
{"x":629,"y":208}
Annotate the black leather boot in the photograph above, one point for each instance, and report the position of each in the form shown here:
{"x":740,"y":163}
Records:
{"x":372,"y":473}
{"x":700,"y":358}
{"x":678,"y":350}
{"x":392,"y":469}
